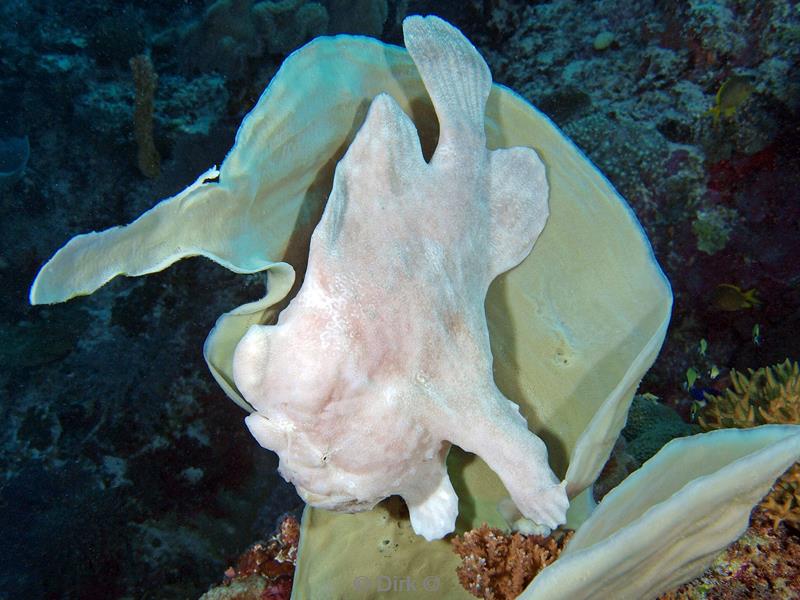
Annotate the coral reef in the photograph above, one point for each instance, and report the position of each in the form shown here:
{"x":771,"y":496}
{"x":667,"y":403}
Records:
{"x":498,"y":565}
{"x":361,"y":17}
{"x":660,"y":78}
{"x":619,"y":465}
{"x":713,"y":228}
{"x":14,"y":155}
{"x":782,"y":504}
{"x":233,"y":32}
{"x":650,"y":425}
{"x":66,"y":84}
{"x":265,"y":570}
{"x":52,"y":522}
{"x":766,"y":395}
{"x":763,"y":563}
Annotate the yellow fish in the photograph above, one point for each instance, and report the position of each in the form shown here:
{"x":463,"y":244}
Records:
{"x":731,"y":95}
{"x":729,"y":297}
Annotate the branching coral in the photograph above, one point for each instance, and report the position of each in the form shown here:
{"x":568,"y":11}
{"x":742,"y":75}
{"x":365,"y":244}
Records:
{"x":768,"y":395}
{"x":783,"y":501}
{"x":497,"y":565}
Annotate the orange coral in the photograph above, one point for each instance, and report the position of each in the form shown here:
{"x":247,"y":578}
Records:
{"x":497,"y":565}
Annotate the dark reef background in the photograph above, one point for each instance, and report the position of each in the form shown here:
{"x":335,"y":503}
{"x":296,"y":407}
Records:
{"x":125,"y":470}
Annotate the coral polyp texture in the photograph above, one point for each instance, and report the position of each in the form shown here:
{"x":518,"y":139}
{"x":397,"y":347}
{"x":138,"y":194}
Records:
{"x":498,"y":565}
{"x":383,"y":358}
{"x":767,"y":395}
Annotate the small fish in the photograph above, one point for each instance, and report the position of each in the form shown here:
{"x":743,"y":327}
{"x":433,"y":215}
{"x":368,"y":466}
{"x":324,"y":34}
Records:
{"x":757,"y":334}
{"x":699,"y":393}
{"x":731,"y":298}
{"x":695,"y":408}
{"x":691,"y":377}
{"x":731,"y":95}
{"x":703,"y":347}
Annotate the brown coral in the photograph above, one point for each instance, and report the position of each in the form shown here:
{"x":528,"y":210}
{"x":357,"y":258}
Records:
{"x":783,"y":501}
{"x":275,"y":557}
{"x":265,"y":571}
{"x":497,"y":565}
{"x":768,"y":395}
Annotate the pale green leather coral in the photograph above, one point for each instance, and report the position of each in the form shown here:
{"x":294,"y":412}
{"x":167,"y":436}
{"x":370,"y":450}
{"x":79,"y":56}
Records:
{"x":573,"y":329}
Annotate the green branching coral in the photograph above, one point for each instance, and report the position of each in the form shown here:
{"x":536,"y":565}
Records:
{"x":768,"y":395}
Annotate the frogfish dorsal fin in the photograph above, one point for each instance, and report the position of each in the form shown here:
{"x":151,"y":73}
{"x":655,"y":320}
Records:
{"x":456,"y":77}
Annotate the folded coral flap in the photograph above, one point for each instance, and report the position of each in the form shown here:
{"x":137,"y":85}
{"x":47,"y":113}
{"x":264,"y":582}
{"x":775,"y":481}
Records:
{"x":666,"y":522}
